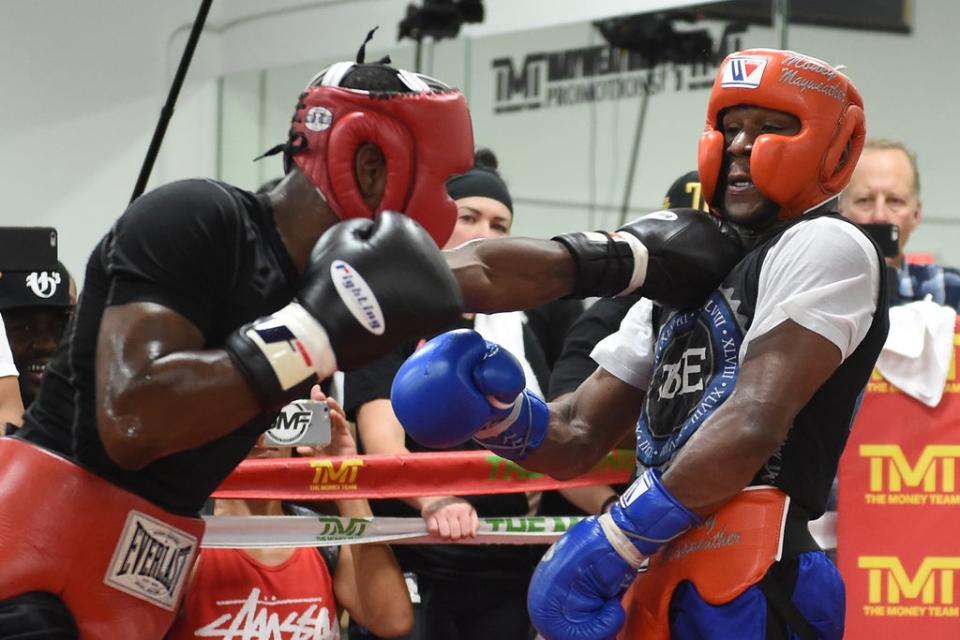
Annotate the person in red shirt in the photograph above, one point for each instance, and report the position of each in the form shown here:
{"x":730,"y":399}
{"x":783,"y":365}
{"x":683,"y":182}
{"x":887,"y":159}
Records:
{"x":290,"y":594}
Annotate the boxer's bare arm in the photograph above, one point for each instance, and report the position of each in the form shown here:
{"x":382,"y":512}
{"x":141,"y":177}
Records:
{"x":159,"y":390}
{"x":780,"y":373}
{"x":508,"y":274}
{"x":586,"y":424}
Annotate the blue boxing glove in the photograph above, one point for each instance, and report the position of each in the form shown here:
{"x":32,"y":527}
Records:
{"x":459,"y":386}
{"x":575,"y":591}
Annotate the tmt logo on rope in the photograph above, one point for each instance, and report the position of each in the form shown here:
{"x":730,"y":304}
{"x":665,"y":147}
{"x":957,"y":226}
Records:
{"x":330,"y":476}
{"x":931,"y":478}
{"x":930,"y":591}
{"x":338,"y":528}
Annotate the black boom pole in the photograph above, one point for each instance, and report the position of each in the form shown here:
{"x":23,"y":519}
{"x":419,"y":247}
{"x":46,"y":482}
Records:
{"x":167,"y":112}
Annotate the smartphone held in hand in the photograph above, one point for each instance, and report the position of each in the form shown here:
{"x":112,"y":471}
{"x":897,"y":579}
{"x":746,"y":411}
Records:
{"x":300,"y":423}
{"x":28,"y":249}
{"x":887,"y":237}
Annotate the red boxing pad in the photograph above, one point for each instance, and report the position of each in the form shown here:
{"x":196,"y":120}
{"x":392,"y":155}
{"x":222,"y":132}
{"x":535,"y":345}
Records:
{"x":425,"y":135}
{"x":118,"y":562}
{"x":354,"y":130}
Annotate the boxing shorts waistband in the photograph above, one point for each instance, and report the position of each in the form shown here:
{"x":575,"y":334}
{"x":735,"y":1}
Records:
{"x":726,"y":554}
{"x":119,"y":562}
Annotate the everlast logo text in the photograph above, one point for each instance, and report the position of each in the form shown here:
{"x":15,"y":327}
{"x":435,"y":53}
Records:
{"x":154,"y":558}
{"x":151,"y":560}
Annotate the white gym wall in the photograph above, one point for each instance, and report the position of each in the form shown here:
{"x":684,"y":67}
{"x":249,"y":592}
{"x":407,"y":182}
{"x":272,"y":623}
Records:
{"x":83,"y":84}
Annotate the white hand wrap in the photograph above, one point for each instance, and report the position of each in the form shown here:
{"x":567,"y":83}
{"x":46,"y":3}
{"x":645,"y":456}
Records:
{"x":305,"y":354}
{"x":640,"y":258}
{"x":620,"y":542}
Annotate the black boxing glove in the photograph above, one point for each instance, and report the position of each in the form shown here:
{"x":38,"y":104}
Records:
{"x":675,"y":257}
{"x":368,"y":286}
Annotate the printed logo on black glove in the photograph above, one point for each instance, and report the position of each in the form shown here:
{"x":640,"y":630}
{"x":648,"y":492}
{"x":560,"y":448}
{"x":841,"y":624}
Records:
{"x":357,"y":296}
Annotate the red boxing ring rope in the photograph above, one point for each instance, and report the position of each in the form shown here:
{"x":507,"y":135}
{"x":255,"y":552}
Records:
{"x":398,"y":476}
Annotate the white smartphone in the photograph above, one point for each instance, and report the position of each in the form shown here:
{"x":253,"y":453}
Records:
{"x":300,"y":423}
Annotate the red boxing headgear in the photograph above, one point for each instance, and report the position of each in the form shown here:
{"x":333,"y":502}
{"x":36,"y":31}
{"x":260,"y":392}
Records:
{"x":798,"y":172}
{"x":425,"y":136}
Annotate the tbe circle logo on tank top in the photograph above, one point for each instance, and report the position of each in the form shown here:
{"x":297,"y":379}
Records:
{"x":357,"y":296}
{"x":697,"y":363}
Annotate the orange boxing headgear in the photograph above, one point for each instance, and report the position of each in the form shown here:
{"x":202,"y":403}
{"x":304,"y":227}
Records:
{"x":425,"y":136}
{"x":798,"y":172}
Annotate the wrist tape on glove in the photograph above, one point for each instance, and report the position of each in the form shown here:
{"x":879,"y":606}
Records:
{"x":280,"y":352}
{"x":607,"y":264}
{"x":645,"y":518}
{"x":521,"y":432}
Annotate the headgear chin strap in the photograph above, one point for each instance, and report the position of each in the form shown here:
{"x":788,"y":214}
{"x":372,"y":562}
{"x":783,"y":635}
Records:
{"x":798,"y":172}
{"x":425,"y":137}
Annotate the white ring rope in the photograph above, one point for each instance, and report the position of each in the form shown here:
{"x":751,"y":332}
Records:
{"x":247,"y":532}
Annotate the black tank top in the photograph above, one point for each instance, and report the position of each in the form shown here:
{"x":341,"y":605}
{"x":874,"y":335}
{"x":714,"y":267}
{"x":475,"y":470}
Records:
{"x":697,"y":364}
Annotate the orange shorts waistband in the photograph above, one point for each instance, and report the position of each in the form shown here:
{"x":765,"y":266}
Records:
{"x":723,"y":556}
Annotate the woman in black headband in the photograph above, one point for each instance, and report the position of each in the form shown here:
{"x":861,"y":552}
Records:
{"x":484,"y":205}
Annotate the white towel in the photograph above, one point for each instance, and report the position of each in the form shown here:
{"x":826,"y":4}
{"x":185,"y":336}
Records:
{"x":506,"y":329}
{"x":916,"y":356}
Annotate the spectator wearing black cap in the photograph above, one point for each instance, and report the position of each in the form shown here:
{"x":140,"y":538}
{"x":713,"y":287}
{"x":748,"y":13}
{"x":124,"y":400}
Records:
{"x":685,"y":193}
{"x":36,"y":307}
